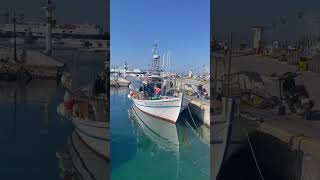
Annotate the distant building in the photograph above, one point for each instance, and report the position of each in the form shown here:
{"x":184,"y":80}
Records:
{"x":38,"y":29}
{"x":190,"y":74}
{"x":258,"y":41}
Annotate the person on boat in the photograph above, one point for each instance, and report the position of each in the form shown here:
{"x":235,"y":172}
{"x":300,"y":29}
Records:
{"x":157,"y":93}
{"x":142,"y":91}
{"x":163,"y":90}
{"x":200,"y":91}
{"x":91,"y":113}
{"x":141,"y":88}
{"x":76,"y":110}
{"x":99,"y":85}
{"x":68,"y":104}
{"x":149,"y":90}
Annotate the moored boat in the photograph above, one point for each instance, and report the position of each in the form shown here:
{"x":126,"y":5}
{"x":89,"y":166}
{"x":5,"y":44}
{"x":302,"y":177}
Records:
{"x":167,"y":108}
{"x":156,"y":95}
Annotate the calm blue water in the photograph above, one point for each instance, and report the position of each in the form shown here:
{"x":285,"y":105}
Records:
{"x":31,"y":132}
{"x":140,"y":150}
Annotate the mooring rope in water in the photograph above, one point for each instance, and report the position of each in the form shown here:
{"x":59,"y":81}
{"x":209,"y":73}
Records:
{"x":192,"y":116}
{"x":254,"y":157}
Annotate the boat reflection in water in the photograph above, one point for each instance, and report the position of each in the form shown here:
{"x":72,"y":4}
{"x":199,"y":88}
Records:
{"x":166,"y":149}
{"x":87,"y":154}
{"x":162,"y":133}
{"x":80,"y":162}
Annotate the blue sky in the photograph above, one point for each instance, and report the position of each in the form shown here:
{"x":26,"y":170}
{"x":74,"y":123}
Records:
{"x":182,"y":26}
{"x":240,"y":17}
{"x":67,"y":11}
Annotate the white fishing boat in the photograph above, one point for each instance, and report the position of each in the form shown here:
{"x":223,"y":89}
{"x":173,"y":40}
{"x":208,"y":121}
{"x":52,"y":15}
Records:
{"x":88,"y":113}
{"x":93,"y":133}
{"x":168,"y":108}
{"x":165,"y":105}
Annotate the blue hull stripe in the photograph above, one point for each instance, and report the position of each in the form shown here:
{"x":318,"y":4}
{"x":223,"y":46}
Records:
{"x":92,"y":136}
{"x":156,"y":106}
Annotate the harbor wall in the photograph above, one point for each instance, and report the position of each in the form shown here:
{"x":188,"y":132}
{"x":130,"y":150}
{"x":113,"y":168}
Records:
{"x":280,"y":154}
{"x":294,"y":155}
{"x":200,"y":110}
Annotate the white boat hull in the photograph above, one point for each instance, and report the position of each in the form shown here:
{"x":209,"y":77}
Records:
{"x":94,"y":134}
{"x":164,"y":109}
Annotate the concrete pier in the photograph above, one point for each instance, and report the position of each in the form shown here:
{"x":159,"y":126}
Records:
{"x":286,"y":146}
{"x":200,"y":109}
{"x":33,"y":64}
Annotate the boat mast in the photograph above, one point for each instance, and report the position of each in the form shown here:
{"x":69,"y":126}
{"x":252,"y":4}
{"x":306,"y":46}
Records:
{"x":49,"y":7}
{"x":155,"y":68}
{"x":125,"y":69}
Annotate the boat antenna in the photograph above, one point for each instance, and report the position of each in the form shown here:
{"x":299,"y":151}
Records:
{"x":163,"y":63}
{"x":155,"y":45}
{"x":168,"y":60}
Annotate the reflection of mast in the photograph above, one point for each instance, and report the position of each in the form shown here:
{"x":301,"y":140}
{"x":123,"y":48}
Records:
{"x":15,"y":113}
{"x":14,"y":38}
{"x":75,"y":68}
{"x":44,"y":128}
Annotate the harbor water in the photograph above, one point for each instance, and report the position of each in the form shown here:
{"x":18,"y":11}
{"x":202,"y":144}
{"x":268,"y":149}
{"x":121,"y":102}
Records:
{"x":31,"y":131}
{"x":143,"y":147}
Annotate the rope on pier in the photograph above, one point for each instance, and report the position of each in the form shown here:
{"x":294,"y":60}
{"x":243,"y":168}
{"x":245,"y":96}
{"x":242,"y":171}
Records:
{"x":254,"y":157}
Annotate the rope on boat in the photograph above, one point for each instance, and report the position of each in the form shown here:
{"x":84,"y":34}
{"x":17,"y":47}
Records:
{"x":192,"y":116}
{"x":254,"y":157}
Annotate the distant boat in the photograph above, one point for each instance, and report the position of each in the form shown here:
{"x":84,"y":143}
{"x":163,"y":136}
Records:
{"x":119,"y":81}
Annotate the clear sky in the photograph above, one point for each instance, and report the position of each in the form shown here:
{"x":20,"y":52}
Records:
{"x":182,"y":26}
{"x":240,"y":16}
{"x":67,"y":11}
